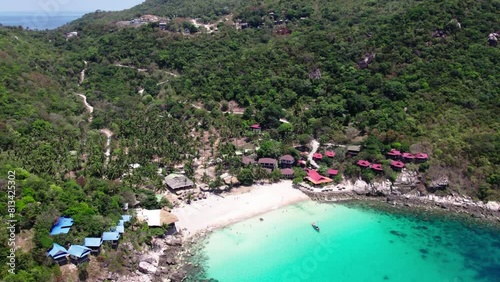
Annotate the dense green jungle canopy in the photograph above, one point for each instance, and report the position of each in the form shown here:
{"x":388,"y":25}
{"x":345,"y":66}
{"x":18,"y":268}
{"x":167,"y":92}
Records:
{"x":431,"y":83}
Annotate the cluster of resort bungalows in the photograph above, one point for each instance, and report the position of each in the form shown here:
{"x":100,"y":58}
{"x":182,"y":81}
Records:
{"x":78,"y":254}
{"x":398,"y":160}
{"x":286,"y":162}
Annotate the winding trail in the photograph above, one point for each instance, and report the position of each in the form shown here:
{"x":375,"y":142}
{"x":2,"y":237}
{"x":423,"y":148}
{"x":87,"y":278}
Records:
{"x":108,"y":134}
{"x":315,"y":145}
{"x":131,"y":67}
{"x":90,"y":109}
{"x":172,"y":74}
{"x":145,"y":70}
{"x":87,"y":105}
{"x":82,"y":73}
{"x":104,"y":131}
{"x":226,"y":112}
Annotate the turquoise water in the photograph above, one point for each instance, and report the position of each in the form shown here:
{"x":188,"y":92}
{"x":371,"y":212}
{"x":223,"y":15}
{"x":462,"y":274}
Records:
{"x":354,"y":244}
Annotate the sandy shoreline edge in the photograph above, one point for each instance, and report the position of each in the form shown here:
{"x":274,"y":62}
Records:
{"x":219,"y":211}
{"x":201,"y":218}
{"x":240,"y":204}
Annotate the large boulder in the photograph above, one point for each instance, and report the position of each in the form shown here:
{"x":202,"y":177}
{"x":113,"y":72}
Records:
{"x":178,"y":276}
{"x":438,"y":184}
{"x":137,"y":276}
{"x":173,"y":241}
{"x":147,"y":268}
{"x":112,"y":277}
{"x":366,"y":60}
{"x":170,"y":260}
{"x":407,"y":178}
{"x":382,"y":188}
{"x":361,"y":187}
{"x":149,"y":259}
{"x":493,"y":206}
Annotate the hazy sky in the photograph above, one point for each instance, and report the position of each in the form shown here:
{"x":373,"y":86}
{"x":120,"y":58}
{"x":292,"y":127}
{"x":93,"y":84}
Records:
{"x":52,"y":6}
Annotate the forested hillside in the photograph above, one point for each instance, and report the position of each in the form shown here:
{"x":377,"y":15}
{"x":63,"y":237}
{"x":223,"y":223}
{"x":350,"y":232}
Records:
{"x":430,"y":81}
{"x":420,"y":87}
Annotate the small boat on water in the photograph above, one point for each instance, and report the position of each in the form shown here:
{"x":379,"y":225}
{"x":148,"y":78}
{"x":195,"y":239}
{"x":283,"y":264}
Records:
{"x":315,"y":226}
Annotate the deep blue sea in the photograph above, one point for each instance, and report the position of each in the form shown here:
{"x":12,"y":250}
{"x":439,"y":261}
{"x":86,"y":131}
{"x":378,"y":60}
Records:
{"x":38,"y":19}
{"x":353,"y":245}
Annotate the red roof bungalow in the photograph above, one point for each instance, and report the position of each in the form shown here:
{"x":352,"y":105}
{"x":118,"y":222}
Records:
{"x":377,"y":167}
{"x":317,"y":156}
{"x":287,"y":161}
{"x":394,"y":154}
{"x":421,"y":157}
{"x":268,"y":163}
{"x":397,"y":165}
{"x":330,"y":154}
{"x":247,"y":161}
{"x":255,"y":127}
{"x":408,"y":157}
{"x":363,"y":163}
{"x":287,"y":173}
{"x":333,"y":172}
{"x":315,"y":178}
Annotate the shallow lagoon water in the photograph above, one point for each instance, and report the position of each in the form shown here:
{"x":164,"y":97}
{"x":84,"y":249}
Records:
{"x":354,"y":244}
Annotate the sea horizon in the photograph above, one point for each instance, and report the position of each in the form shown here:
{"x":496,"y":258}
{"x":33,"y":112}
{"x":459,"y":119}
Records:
{"x":39,"y":20}
{"x":353,"y":244}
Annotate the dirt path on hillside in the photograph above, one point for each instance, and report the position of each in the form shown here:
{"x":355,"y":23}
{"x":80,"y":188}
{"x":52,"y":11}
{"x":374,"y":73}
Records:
{"x":108,"y":134}
{"x":104,"y":131}
{"x":82,"y":73}
{"x":315,"y":145}
{"x":90,"y":109}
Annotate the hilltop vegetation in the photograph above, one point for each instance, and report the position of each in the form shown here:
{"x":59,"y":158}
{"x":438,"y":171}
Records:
{"x":438,"y":94}
{"x":441,"y":91}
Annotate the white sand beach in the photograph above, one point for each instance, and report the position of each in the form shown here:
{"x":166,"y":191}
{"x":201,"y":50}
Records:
{"x":218,"y":211}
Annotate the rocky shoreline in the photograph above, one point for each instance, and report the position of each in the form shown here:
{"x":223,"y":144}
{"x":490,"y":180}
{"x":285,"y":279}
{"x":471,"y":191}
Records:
{"x":169,"y":260}
{"x":163,"y":261}
{"x":456,"y":205}
{"x":408,"y":191}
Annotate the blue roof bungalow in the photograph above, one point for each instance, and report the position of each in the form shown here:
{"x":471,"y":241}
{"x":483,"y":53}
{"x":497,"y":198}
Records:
{"x":112,"y":237}
{"x":119,"y":228}
{"x":58,"y":253}
{"x":79,"y":254}
{"x":61,"y":226}
{"x":126,"y":218}
{"x":94,"y":244}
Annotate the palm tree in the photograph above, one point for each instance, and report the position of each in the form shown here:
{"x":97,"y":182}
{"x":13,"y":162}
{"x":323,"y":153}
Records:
{"x":205,"y":178}
{"x":260,"y":173}
{"x":189,"y":197}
